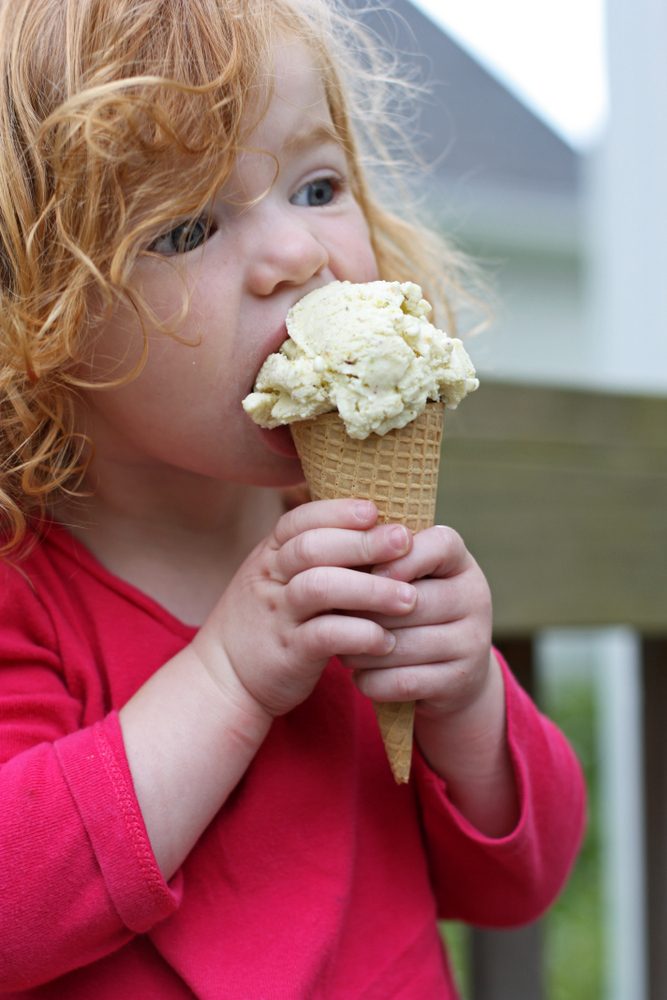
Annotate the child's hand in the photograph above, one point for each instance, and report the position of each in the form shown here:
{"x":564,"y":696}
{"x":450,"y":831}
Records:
{"x":442,"y":660}
{"x":276,"y":626}
{"x":441,"y":656}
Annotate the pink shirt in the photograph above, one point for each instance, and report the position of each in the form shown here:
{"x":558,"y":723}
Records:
{"x":320,"y":878}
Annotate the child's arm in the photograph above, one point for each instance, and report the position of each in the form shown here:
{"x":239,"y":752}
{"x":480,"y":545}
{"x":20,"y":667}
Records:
{"x":443,"y":660}
{"x":191,"y":731}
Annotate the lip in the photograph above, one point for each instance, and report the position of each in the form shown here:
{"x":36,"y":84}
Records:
{"x":271,"y":345}
{"x":277,"y":339}
{"x":279,"y":440}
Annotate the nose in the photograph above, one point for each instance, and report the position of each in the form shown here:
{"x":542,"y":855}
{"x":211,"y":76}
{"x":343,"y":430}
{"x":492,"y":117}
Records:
{"x":288,"y":253}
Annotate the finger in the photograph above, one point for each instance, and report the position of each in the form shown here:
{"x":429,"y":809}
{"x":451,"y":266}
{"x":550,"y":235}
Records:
{"x":444,"y":601}
{"x":341,"y":635}
{"x":354,"y":514}
{"x":428,"y":644}
{"x":438,"y":602}
{"x":327,"y":587}
{"x":437,"y":551}
{"x":341,"y":547}
{"x":445,"y":683}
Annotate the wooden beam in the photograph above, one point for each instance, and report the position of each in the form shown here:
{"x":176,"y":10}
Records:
{"x":519,"y":652}
{"x":561,"y":497}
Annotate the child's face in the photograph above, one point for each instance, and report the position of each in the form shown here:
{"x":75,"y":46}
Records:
{"x":272,"y":240}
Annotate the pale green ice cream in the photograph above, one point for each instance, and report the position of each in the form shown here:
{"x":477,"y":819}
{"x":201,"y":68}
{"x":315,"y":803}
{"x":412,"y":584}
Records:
{"x":365,"y":350}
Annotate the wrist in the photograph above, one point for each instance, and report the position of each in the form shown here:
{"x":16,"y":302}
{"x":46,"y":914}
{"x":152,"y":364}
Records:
{"x":469,"y":737}
{"x":216,"y":665}
{"x":469,"y":750}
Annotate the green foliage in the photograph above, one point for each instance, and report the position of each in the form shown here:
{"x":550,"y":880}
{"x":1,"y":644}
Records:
{"x":573,"y":927}
{"x":457,"y":942}
{"x":573,"y":938}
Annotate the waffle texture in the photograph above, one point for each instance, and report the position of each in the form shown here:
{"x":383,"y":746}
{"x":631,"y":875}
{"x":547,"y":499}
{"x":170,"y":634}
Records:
{"x":399,"y":473}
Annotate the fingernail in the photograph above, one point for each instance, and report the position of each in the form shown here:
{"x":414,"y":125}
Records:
{"x":389,"y":641}
{"x":399,"y":537}
{"x":407,"y":594}
{"x":364,"y":510}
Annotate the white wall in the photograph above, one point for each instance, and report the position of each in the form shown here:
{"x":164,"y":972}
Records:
{"x":537,"y":333}
{"x":627,"y":205}
{"x":529,"y":245}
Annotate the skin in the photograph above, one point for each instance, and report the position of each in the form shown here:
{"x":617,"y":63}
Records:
{"x":185,"y":508}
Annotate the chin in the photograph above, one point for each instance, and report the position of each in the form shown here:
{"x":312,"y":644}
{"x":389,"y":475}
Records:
{"x":285,"y":475}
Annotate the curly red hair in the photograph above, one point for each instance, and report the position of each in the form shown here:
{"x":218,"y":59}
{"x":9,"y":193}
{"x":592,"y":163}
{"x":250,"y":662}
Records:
{"x":116,"y":117}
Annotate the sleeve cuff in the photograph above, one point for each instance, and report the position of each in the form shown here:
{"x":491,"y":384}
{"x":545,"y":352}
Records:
{"x":96,"y":770}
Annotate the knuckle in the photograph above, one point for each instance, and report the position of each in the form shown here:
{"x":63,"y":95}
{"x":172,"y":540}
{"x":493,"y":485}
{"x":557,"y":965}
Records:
{"x":294,"y":594}
{"x":406,"y":686}
{"x":448,"y":537}
{"x":302,"y":547}
{"x":316,"y":584}
{"x":300,"y":550}
{"x":374,"y":545}
{"x":366,"y":539}
{"x":319,"y":637}
{"x":284,"y":529}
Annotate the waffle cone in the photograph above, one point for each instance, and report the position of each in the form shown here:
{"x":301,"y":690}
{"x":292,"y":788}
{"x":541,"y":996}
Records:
{"x":399,"y":473}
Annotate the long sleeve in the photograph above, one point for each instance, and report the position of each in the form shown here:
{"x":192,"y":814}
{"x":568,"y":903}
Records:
{"x":77,"y":874}
{"x":509,"y":881}
{"x":312,"y":880}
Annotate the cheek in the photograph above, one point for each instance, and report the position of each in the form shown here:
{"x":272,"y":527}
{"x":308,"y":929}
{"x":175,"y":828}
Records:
{"x":368,"y":266}
{"x":356,"y":256}
{"x":113,"y":350}
{"x":116,"y":343}
{"x":367,"y":263}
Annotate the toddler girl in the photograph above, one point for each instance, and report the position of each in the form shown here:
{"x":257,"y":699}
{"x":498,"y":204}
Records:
{"x":195,"y":796}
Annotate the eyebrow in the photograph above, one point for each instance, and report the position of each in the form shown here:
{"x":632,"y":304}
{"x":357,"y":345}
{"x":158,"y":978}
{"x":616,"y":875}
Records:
{"x":313,"y":134}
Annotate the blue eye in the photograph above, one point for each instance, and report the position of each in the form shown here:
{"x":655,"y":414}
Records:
{"x":183,"y":238}
{"x":314,"y":193}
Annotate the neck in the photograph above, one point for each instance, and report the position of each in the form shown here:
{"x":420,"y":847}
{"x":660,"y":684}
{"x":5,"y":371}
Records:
{"x":178,"y":537}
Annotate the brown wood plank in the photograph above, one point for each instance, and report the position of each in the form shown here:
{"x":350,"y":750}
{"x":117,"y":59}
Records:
{"x":561,"y":496}
{"x":519,"y":653}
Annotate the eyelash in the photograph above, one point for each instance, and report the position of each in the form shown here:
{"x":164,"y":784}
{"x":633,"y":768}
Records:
{"x":187,"y":229}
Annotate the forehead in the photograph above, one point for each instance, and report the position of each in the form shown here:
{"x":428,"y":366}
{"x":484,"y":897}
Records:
{"x":299,"y":110}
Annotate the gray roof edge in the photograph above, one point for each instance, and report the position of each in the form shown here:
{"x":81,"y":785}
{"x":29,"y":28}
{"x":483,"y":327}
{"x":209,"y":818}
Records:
{"x":469,"y":124}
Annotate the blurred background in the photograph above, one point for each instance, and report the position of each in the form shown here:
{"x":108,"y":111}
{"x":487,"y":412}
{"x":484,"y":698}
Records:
{"x":547,"y":127}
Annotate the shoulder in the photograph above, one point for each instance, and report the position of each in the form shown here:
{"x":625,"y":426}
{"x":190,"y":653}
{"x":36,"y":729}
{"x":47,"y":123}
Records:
{"x":42,"y":585}
{"x":50,"y":569}
{"x":22,"y":609}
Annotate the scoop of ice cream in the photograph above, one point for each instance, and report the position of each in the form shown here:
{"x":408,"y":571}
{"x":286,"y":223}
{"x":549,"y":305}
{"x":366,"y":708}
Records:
{"x":366,"y":350}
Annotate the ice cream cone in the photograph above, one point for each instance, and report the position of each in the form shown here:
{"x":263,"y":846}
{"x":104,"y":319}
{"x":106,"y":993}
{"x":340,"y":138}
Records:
{"x":399,"y":473}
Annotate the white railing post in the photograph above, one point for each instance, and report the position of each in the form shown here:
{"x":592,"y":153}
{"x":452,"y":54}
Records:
{"x":620,"y":706}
